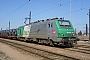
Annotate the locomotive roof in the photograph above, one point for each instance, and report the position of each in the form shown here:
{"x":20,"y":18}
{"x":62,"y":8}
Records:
{"x":60,"y":19}
{"x":65,"y":20}
{"x":48,"y":20}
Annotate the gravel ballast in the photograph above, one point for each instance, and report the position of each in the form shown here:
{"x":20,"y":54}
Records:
{"x":3,"y":56}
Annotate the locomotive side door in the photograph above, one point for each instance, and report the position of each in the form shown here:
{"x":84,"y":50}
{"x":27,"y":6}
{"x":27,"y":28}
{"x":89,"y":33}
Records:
{"x":48,"y":30}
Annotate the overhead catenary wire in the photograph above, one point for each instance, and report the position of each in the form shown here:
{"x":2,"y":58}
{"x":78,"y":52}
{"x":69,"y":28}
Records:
{"x":53,"y":8}
{"x":74,"y":11}
{"x":48,"y":9}
{"x":15,"y":10}
{"x":59,"y":6}
{"x":35,"y":14}
{"x":66,"y":13}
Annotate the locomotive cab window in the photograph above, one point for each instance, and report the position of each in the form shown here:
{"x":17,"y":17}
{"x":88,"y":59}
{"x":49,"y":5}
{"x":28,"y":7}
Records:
{"x":52,"y":25}
{"x":48,"y":25}
{"x":64,"y":24}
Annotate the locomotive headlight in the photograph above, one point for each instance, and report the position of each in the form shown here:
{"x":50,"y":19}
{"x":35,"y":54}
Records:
{"x":73,"y":33}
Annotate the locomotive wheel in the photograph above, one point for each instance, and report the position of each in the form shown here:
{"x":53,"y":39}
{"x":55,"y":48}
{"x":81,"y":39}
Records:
{"x":51,"y":42}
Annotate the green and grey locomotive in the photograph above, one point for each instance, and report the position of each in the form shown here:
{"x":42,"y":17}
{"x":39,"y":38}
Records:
{"x":51,"y":31}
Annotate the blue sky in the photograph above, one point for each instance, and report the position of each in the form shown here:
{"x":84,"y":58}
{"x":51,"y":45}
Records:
{"x":43,"y":9}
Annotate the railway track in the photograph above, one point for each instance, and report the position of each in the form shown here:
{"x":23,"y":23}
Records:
{"x":42,"y":53}
{"x":83,"y":46}
{"x":81,"y":50}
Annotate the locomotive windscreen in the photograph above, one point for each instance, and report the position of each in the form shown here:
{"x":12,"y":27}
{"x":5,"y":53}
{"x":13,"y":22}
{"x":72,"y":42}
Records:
{"x":64,"y":24}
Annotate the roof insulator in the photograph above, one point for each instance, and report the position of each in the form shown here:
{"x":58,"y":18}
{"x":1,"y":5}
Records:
{"x":42,"y":20}
{"x":61,"y":18}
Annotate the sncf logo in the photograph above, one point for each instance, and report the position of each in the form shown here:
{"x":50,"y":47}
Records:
{"x":54,"y":31}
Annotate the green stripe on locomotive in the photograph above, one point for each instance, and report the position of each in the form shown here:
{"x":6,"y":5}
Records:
{"x":20,"y":31}
{"x":64,"y":32}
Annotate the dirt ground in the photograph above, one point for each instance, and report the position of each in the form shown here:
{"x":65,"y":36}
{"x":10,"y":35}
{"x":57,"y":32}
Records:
{"x":83,"y":37}
{"x":8,"y":53}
